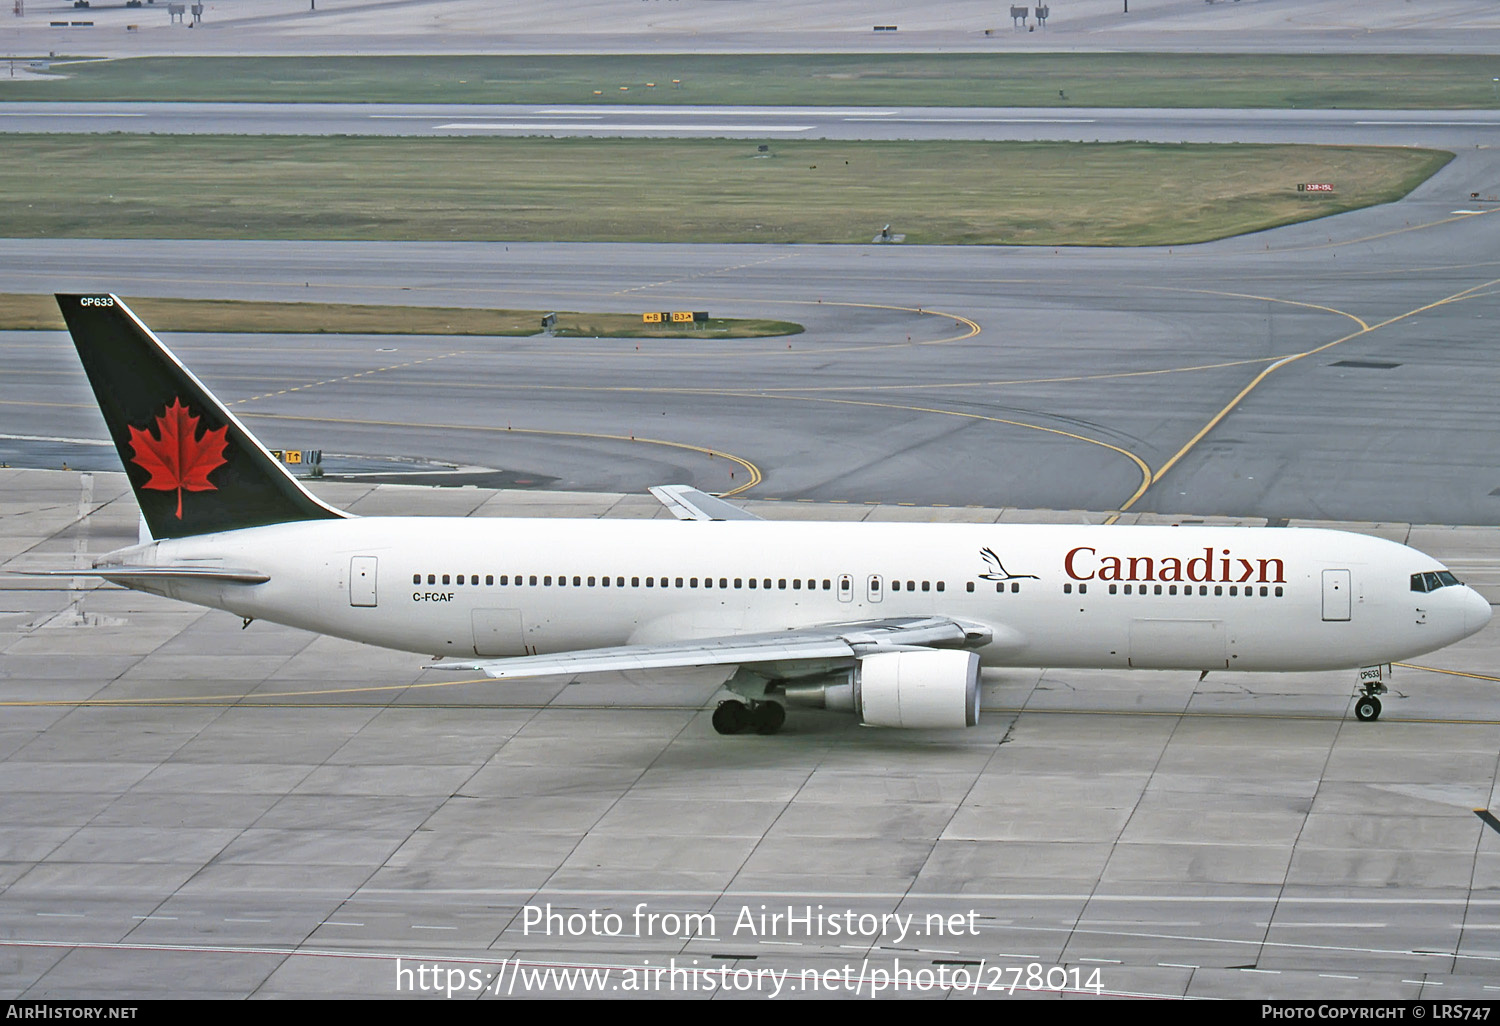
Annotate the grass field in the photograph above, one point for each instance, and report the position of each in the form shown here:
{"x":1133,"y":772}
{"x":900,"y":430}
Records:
{"x":1112,"y":194}
{"x":1007,"y":80}
{"x":23,"y":312}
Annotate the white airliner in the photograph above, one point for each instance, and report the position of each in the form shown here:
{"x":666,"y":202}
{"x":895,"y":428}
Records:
{"x":890,"y":622}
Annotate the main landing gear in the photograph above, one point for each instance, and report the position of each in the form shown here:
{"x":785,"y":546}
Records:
{"x":734,"y":717}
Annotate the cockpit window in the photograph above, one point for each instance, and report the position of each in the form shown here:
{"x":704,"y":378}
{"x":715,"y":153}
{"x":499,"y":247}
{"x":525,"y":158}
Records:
{"x":1433,"y":580}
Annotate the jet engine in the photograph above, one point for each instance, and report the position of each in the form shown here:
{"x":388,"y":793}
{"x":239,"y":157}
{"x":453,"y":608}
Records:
{"x":921,"y":689}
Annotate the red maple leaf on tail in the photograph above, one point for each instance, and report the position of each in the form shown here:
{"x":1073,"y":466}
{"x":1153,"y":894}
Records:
{"x":174,"y":457}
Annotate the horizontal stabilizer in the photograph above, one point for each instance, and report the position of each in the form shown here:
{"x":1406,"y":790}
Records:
{"x":185,"y":573}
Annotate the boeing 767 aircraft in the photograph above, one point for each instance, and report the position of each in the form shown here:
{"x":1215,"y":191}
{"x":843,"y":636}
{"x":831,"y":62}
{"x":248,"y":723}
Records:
{"x":890,"y":622}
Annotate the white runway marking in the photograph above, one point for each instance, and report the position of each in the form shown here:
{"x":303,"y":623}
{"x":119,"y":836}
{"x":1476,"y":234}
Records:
{"x":981,"y":121}
{"x":56,"y":438}
{"x":738,"y":112}
{"x":429,"y":117}
{"x":511,"y":126}
{"x":1461,"y":124}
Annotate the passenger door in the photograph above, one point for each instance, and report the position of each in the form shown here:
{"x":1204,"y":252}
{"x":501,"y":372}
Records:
{"x":362,"y":581}
{"x":1337,"y":595}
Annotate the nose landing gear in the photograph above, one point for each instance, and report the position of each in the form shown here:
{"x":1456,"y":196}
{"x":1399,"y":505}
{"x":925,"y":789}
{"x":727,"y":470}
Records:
{"x":1371,"y":686}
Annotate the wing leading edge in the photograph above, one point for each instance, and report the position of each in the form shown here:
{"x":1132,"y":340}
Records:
{"x":817,"y":647}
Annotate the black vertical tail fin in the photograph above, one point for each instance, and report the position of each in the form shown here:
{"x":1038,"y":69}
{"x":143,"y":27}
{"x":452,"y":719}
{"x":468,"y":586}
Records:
{"x":194,"y":467}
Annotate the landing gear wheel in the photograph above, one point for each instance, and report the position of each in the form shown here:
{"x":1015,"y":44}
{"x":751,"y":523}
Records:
{"x":731,"y":717}
{"x":1367,"y":709}
{"x":768,"y":717}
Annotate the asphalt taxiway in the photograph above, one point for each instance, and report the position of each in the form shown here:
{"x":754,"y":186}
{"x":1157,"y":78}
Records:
{"x":1337,"y":369}
{"x":194,"y":808}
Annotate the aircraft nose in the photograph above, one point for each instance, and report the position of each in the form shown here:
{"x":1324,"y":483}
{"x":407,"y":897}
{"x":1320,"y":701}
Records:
{"x":1477,"y":611}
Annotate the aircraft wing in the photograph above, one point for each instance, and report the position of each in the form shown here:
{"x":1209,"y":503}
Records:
{"x":818,"y":645}
{"x":690,"y":504}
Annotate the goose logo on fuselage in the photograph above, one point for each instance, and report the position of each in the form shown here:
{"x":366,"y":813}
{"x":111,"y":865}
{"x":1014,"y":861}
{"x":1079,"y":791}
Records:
{"x":997,"y":571}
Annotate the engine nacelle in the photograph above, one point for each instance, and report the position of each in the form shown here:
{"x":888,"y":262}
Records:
{"x":936,"y":688}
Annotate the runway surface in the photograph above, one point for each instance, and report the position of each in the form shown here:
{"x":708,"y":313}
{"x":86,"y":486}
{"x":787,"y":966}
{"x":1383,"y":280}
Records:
{"x":1451,"y":129}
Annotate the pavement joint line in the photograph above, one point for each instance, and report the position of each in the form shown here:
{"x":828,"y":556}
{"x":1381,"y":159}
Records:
{"x":1480,"y":957}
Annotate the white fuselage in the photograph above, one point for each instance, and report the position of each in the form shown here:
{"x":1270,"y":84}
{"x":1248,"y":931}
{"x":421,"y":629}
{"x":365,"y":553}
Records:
{"x":1201,"y":598}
